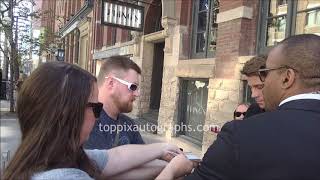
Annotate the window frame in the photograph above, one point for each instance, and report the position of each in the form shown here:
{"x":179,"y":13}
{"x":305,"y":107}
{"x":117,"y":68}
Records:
{"x":182,"y":107}
{"x":195,"y":9}
{"x":292,"y":12}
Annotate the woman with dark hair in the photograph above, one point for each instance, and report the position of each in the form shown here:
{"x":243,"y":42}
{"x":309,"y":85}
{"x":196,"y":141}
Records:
{"x":57,"y":107}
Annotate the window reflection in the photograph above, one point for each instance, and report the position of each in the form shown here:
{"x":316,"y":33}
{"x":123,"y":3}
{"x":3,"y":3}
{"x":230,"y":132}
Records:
{"x":214,"y":27}
{"x":278,"y":7}
{"x":308,"y":22}
{"x":203,"y":5}
{"x":300,"y":16}
{"x":200,"y":42}
{"x":276,"y":30}
{"x":206,"y":27}
{"x":308,"y":17}
{"x":202,"y":21}
{"x":307,"y":4}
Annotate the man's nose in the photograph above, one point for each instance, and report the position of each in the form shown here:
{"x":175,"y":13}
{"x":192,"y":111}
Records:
{"x":254,"y":93}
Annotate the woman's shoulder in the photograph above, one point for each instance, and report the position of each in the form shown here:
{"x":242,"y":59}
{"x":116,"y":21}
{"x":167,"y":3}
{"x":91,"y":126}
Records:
{"x":62,"y":173}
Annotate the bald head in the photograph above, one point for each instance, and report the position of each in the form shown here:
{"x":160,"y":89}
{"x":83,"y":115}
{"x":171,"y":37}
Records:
{"x":302,"y":53}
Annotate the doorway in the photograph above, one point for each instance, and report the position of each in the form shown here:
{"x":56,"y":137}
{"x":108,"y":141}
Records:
{"x":156,"y":84}
{"x":156,"y":80}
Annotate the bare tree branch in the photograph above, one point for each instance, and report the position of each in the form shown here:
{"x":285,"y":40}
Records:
{"x":5,"y":10}
{"x":5,"y":54}
{"x":6,"y":5}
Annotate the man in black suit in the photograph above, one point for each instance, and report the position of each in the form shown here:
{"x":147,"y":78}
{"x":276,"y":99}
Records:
{"x":283,"y":143}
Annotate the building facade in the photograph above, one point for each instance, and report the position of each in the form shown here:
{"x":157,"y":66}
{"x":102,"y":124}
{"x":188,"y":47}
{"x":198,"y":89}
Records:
{"x":190,"y":51}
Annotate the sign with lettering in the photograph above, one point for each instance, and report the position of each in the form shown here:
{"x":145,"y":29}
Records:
{"x":122,"y":14}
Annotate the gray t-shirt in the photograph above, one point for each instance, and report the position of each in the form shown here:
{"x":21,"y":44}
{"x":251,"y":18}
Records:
{"x":100,"y":157}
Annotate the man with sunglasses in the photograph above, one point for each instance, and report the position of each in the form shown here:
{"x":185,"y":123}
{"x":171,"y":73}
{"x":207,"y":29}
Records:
{"x":118,"y":82}
{"x":250,"y":70}
{"x":282,"y":143}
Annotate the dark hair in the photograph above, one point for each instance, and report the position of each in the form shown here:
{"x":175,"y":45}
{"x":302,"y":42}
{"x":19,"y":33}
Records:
{"x":302,"y":53}
{"x":252,"y":66}
{"x":50,"y":108}
{"x":117,"y":65}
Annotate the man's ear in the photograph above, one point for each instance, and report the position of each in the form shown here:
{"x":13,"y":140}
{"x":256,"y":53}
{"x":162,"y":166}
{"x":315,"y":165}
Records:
{"x":109,"y":82}
{"x":288,"y":78}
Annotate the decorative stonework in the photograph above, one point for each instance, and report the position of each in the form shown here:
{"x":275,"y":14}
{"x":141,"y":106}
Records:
{"x":169,"y":26}
{"x":236,"y":13}
{"x":136,"y":38}
{"x":169,"y":101}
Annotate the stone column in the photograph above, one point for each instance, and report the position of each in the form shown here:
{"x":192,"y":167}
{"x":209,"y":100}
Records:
{"x":170,"y":82}
{"x":137,"y":58}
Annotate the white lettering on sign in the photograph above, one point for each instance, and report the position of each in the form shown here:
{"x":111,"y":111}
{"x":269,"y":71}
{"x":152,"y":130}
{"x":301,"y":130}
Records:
{"x":123,"y":15}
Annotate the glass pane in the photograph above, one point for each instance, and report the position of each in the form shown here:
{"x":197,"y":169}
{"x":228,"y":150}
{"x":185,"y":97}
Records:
{"x":203,"y":5}
{"x":196,"y":100}
{"x":308,"y":22}
{"x":277,"y":7}
{"x":202,"y":22}
{"x":213,"y":39}
{"x":200,"y":42}
{"x":308,"y":4}
{"x":276,"y":30}
{"x":213,"y":27}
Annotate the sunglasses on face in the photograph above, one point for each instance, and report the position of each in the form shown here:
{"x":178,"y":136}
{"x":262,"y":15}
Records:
{"x":131,"y":86}
{"x":263,"y":71}
{"x":96,"y":108}
{"x":238,"y":114}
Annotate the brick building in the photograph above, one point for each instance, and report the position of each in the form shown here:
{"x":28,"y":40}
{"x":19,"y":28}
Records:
{"x":190,"y":52}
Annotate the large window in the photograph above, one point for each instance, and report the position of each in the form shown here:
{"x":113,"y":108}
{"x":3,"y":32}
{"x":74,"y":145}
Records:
{"x":193,"y":108}
{"x":283,"y":18}
{"x":204,"y":35}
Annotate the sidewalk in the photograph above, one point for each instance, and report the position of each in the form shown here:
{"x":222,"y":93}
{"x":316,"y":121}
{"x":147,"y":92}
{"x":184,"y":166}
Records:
{"x":9,"y":132}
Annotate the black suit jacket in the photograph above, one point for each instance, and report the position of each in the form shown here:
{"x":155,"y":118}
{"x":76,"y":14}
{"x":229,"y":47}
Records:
{"x":283,"y":145}
{"x":253,"y":109}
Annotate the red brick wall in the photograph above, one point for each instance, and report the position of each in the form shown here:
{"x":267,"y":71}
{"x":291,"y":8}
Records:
{"x":235,"y":38}
{"x":184,"y":12}
{"x":98,"y":28}
{"x":184,"y":18}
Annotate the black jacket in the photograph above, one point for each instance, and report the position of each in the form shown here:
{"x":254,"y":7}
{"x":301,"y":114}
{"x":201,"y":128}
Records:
{"x":253,"y":109}
{"x":279,"y":145}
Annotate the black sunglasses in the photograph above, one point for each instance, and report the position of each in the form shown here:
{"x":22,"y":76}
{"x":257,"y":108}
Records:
{"x":96,"y":108}
{"x":238,"y":114}
{"x":263,"y":71}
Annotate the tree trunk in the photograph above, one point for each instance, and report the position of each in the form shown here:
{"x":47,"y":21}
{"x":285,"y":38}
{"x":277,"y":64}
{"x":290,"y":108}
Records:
{"x":14,"y":64}
{"x":6,"y":60}
{"x":11,"y":88}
